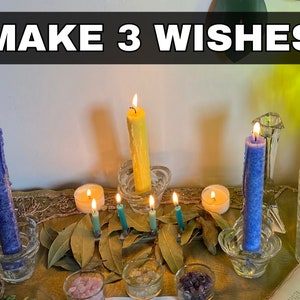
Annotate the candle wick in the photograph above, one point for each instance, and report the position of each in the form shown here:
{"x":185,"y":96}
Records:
{"x":132,"y":107}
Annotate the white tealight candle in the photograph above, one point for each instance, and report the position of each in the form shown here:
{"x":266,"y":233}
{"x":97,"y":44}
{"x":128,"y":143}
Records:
{"x":215,"y":198}
{"x":84,"y":195}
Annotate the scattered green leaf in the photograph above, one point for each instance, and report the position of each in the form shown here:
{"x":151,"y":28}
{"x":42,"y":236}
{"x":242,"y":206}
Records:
{"x":110,"y":248}
{"x":170,"y":249}
{"x":132,"y":237}
{"x":188,"y":232}
{"x":221,"y":222}
{"x":83,"y":241}
{"x":68,"y":263}
{"x":47,"y":236}
{"x":60,"y":245}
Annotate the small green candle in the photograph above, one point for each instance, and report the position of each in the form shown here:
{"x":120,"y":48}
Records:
{"x":95,"y":219}
{"x":152,"y":214}
{"x":121,"y":213}
{"x":178,"y":212}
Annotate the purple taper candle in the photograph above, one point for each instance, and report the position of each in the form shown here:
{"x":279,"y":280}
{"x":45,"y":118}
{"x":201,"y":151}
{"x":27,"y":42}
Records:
{"x":253,"y":186}
{"x":9,"y":232}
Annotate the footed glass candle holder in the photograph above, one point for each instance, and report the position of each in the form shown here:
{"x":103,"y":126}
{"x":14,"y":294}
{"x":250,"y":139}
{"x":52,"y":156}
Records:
{"x":160,"y":179}
{"x":18,"y":267}
{"x":249,"y":264}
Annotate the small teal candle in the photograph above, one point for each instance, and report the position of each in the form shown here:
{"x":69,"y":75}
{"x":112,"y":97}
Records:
{"x":95,"y":219}
{"x":152,"y":214}
{"x":121,"y":213}
{"x":253,"y":186}
{"x":178,"y":212}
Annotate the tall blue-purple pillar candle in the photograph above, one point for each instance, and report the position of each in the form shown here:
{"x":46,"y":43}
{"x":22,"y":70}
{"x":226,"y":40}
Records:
{"x":178,"y":212}
{"x":95,"y":219}
{"x":121,"y":213}
{"x":152,"y":214}
{"x":253,"y":186}
{"x":9,"y":231}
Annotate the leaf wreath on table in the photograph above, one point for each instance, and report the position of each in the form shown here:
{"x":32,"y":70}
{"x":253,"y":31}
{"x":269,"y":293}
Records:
{"x":74,"y":247}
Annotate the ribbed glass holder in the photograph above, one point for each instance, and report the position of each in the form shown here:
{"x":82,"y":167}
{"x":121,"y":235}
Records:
{"x":18,"y":267}
{"x":249,"y":264}
{"x":160,"y":179}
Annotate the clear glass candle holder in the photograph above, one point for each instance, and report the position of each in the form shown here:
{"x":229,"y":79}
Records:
{"x":249,"y":264}
{"x":18,"y":267}
{"x":85,"y":285}
{"x":195,"y":282}
{"x":160,"y":179}
{"x":143,"y":278}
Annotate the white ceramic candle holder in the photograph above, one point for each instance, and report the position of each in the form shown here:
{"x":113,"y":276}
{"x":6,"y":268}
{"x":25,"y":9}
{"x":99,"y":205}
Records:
{"x":160,"y":179}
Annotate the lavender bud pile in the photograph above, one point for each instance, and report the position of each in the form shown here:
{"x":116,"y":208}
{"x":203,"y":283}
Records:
{"x":195,"y":286}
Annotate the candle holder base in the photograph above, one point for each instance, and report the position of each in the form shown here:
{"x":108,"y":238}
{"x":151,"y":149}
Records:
{"x":249,"y":264}
{"x":160,"y":179}
{"x":18,"y":267}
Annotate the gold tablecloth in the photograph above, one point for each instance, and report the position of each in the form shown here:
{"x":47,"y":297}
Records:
{"x":57,"y":210}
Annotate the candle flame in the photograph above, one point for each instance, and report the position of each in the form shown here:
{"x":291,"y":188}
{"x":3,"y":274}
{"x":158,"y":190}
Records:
{"x":135,"y":100}
{"x":151,"y":202}
{"x":175,"y":199}
{"x":256,"y":129}
{"x":94,"y":204}
{"x":212,"y":195}
{"x":118,"y":198}
{"x":88,"y":193}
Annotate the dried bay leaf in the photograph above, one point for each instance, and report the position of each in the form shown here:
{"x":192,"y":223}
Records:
{"x":60,"y":245}
{"x":104,"y":217}
{"x":47,"y":236}
{"x":131,"y":238}
{"x":110,"y":248}
{"x":141,"y":250}
{"x":170,"y":249}
{"x":114,"y":223}
{"x":83,"y":241}
{"x":170,"y":218}
{"x":67,"y":263}
{"x":112,"y":277}
{"x":158,"y":254}
{"x":188,"y":232}
{"x":209,"y":234}
{"x":221,"y":222}
{"x":137,"y":221}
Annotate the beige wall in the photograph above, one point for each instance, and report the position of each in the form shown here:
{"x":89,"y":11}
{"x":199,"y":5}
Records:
{"x":66,"y":125}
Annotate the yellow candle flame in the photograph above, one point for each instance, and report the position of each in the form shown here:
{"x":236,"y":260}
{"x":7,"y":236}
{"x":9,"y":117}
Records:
{"x":135,"y":100}
{"x":94,"y":204}
{"x":118,"y":198}
{"x":175,"y":199}
{"x":88,"y":193}
{"x":256,"y":130}
{"x":151,"y":202}
{"x":213,"y":195}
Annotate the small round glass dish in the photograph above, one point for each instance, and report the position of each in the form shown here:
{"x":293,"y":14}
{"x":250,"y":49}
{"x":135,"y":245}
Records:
{"x":84,"y":284}
{"x":160,"y":179}
{"x":195,"y":282}
{"x":143,"y":278}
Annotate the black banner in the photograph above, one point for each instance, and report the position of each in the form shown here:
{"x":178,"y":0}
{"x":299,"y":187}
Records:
{"x":149,"y":38}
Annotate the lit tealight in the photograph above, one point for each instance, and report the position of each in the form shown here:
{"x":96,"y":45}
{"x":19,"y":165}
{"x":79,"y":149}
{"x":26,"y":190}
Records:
{"x":216,"y":198}
{"x":84,"y":194}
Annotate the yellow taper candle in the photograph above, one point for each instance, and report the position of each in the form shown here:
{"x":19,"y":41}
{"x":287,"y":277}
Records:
{"x":136,"y":123}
